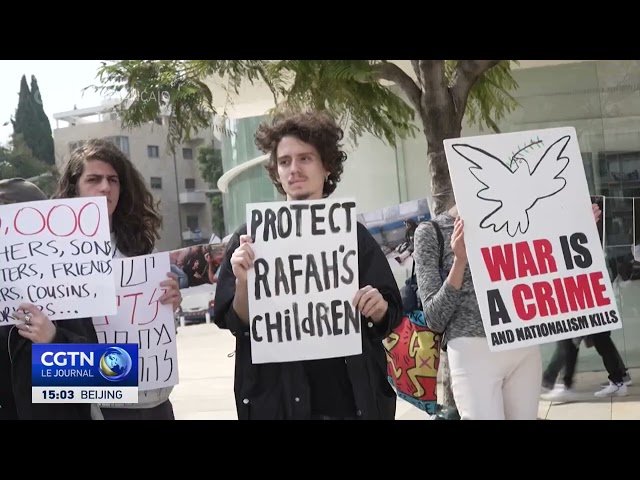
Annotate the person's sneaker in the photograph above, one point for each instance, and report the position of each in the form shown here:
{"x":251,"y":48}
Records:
{"x":560,"y":393}
{"x":613,"y":390}
{"x":626,"y":379}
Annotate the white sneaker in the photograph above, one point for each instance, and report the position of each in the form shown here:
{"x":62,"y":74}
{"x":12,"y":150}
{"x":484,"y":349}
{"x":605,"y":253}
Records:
{"x":613,"y":390}
{"x":560,"y":393}
{"x":626,"y":380}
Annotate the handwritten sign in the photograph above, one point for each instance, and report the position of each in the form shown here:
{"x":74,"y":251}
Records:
{"x":532,"y":242}
{"x":56,"y":254}
{"x":304,"y":279}
{"x":142,"y":319}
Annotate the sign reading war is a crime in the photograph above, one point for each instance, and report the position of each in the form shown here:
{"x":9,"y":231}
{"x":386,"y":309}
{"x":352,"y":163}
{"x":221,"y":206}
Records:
{"x":532,"y":243}
{"x":56,"y":254}
{"x":303,"y":280}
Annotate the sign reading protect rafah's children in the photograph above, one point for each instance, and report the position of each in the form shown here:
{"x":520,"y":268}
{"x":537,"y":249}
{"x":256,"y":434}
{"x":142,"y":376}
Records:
{"x":304,"y":280}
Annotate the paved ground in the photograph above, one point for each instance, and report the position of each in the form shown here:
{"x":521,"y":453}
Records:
{"x":206,"y":385}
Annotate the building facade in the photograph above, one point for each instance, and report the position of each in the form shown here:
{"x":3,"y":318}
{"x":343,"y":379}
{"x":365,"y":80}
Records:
{"x":599,"y":98}
{"x":174,"y":179}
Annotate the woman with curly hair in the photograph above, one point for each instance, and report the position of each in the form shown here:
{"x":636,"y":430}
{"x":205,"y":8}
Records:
{"x":100,"y":168}
{"x":306,"y":163}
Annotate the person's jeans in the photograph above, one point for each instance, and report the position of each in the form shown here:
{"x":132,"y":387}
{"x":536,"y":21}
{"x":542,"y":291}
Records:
{"x":610,"y":356}
{"x":564,"y":357}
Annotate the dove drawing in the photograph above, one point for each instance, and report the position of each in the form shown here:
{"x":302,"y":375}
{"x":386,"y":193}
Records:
{"x":516,"y":187}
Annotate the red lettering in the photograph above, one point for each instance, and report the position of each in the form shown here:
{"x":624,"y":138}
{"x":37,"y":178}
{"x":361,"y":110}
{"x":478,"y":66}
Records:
{"x":73,"y":215}
{"x":561,"y":295}
{"x":543,"y":292}
{"x":80,"y":220}
{"x":153,"y":300}
{"x":15,"y":221}
{"x":20,"y":223}
{"x":578,"y":292}
{"x":544,"y":256}
{"x":135,"y":303}
{"x":520,"y":293}
{"x":499,"y":262}
{"x":598,"y":289}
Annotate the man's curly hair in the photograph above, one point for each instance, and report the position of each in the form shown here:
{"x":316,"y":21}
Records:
{"x":315,"y":128}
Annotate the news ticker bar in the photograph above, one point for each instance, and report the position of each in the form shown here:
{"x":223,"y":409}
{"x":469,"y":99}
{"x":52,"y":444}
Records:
{"x":84,"y":394}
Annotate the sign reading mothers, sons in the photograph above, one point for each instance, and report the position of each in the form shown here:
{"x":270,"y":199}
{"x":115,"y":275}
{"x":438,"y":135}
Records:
{"x":303,"y":280}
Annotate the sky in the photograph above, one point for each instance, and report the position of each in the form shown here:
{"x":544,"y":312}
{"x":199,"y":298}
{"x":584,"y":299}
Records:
{"x":60,"y":81}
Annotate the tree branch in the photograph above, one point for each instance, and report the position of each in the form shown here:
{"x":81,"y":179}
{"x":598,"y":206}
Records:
{"x":393,"y":73}
{"x":465,"y":76}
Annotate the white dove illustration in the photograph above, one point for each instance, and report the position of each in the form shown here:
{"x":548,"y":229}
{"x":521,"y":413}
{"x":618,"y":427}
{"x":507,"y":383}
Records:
{"x":516,"y":188}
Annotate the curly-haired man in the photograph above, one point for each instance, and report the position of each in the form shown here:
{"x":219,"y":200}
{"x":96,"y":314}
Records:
{"x":306,"y":162}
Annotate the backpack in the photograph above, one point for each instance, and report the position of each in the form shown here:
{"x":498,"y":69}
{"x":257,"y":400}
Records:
{"x":412,"y":349}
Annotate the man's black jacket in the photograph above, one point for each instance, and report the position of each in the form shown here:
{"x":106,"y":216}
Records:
{"x":78,"y":330}
{"x":277,"y":391}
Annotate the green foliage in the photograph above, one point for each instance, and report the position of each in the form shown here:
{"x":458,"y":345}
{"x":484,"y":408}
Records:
{"x":17,"y":160}
{"x":350,"y":89}
{"x":489,"y":99}
{"x":31,"y":122}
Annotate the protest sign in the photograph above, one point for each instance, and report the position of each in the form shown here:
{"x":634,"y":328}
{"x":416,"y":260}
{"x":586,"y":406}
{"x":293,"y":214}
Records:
{"x":532,"y":243}
{"x":142,"y":319}
{"x":56,"y":255}
{"x":303,"y":280}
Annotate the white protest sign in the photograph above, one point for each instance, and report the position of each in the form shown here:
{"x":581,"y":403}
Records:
{"x":532,"y":242}
{"x":303,"y":281}
{"x":56,"y":255}
{"x":142,"y":319}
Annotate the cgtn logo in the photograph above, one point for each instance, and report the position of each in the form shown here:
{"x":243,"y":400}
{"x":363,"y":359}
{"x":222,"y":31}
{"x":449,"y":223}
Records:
{"x":85,"y":373}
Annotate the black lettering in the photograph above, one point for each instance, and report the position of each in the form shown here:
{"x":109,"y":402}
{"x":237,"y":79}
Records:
{"x":296,"y":321}
{"x":566,"y":252}
{"x":281,"y":277}
{"x":497,"y":309}
{"x":269,"y":224}
{"x":294,"y":272}
{"x":351,"y":317}
{"x":583,"y":259}
{"x":330,"y":268}
{"x":261,"y":267}
{"x":332,"y":225}
{"x":35,"y":248}
{"x":285,"y":224}
{"x":298,"y":207}
{"x":287,"y":324}
{"x":256,"y":221}
{"x":316,"y":219}
{"x":348,"y":206}
{"x":254,"y":328}
{"x":335,"y":316}
{"x":277,"y":326}
{"x":52,"y":245}
{"x":312,"y":272}
{"x":348,"y":280}
{"x":322,"y":311}
{"x":308,"y":326}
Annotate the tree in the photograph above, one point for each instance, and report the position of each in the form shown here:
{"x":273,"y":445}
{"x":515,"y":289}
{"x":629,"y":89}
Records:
{"x":46,"y":145}
{"x":17,"y":160}
{"x":32,"y":123}
{"x":441,"y":94}
{"x":210,"y":160}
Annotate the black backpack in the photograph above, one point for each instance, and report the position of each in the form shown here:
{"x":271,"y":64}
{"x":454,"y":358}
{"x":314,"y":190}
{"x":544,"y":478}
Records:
{"x":409,"y":292}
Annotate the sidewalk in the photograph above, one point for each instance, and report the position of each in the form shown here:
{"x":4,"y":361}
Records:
{"x":205,"y":391}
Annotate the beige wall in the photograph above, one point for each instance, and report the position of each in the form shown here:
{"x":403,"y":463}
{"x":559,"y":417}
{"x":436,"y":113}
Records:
{"x":162,"y":167}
